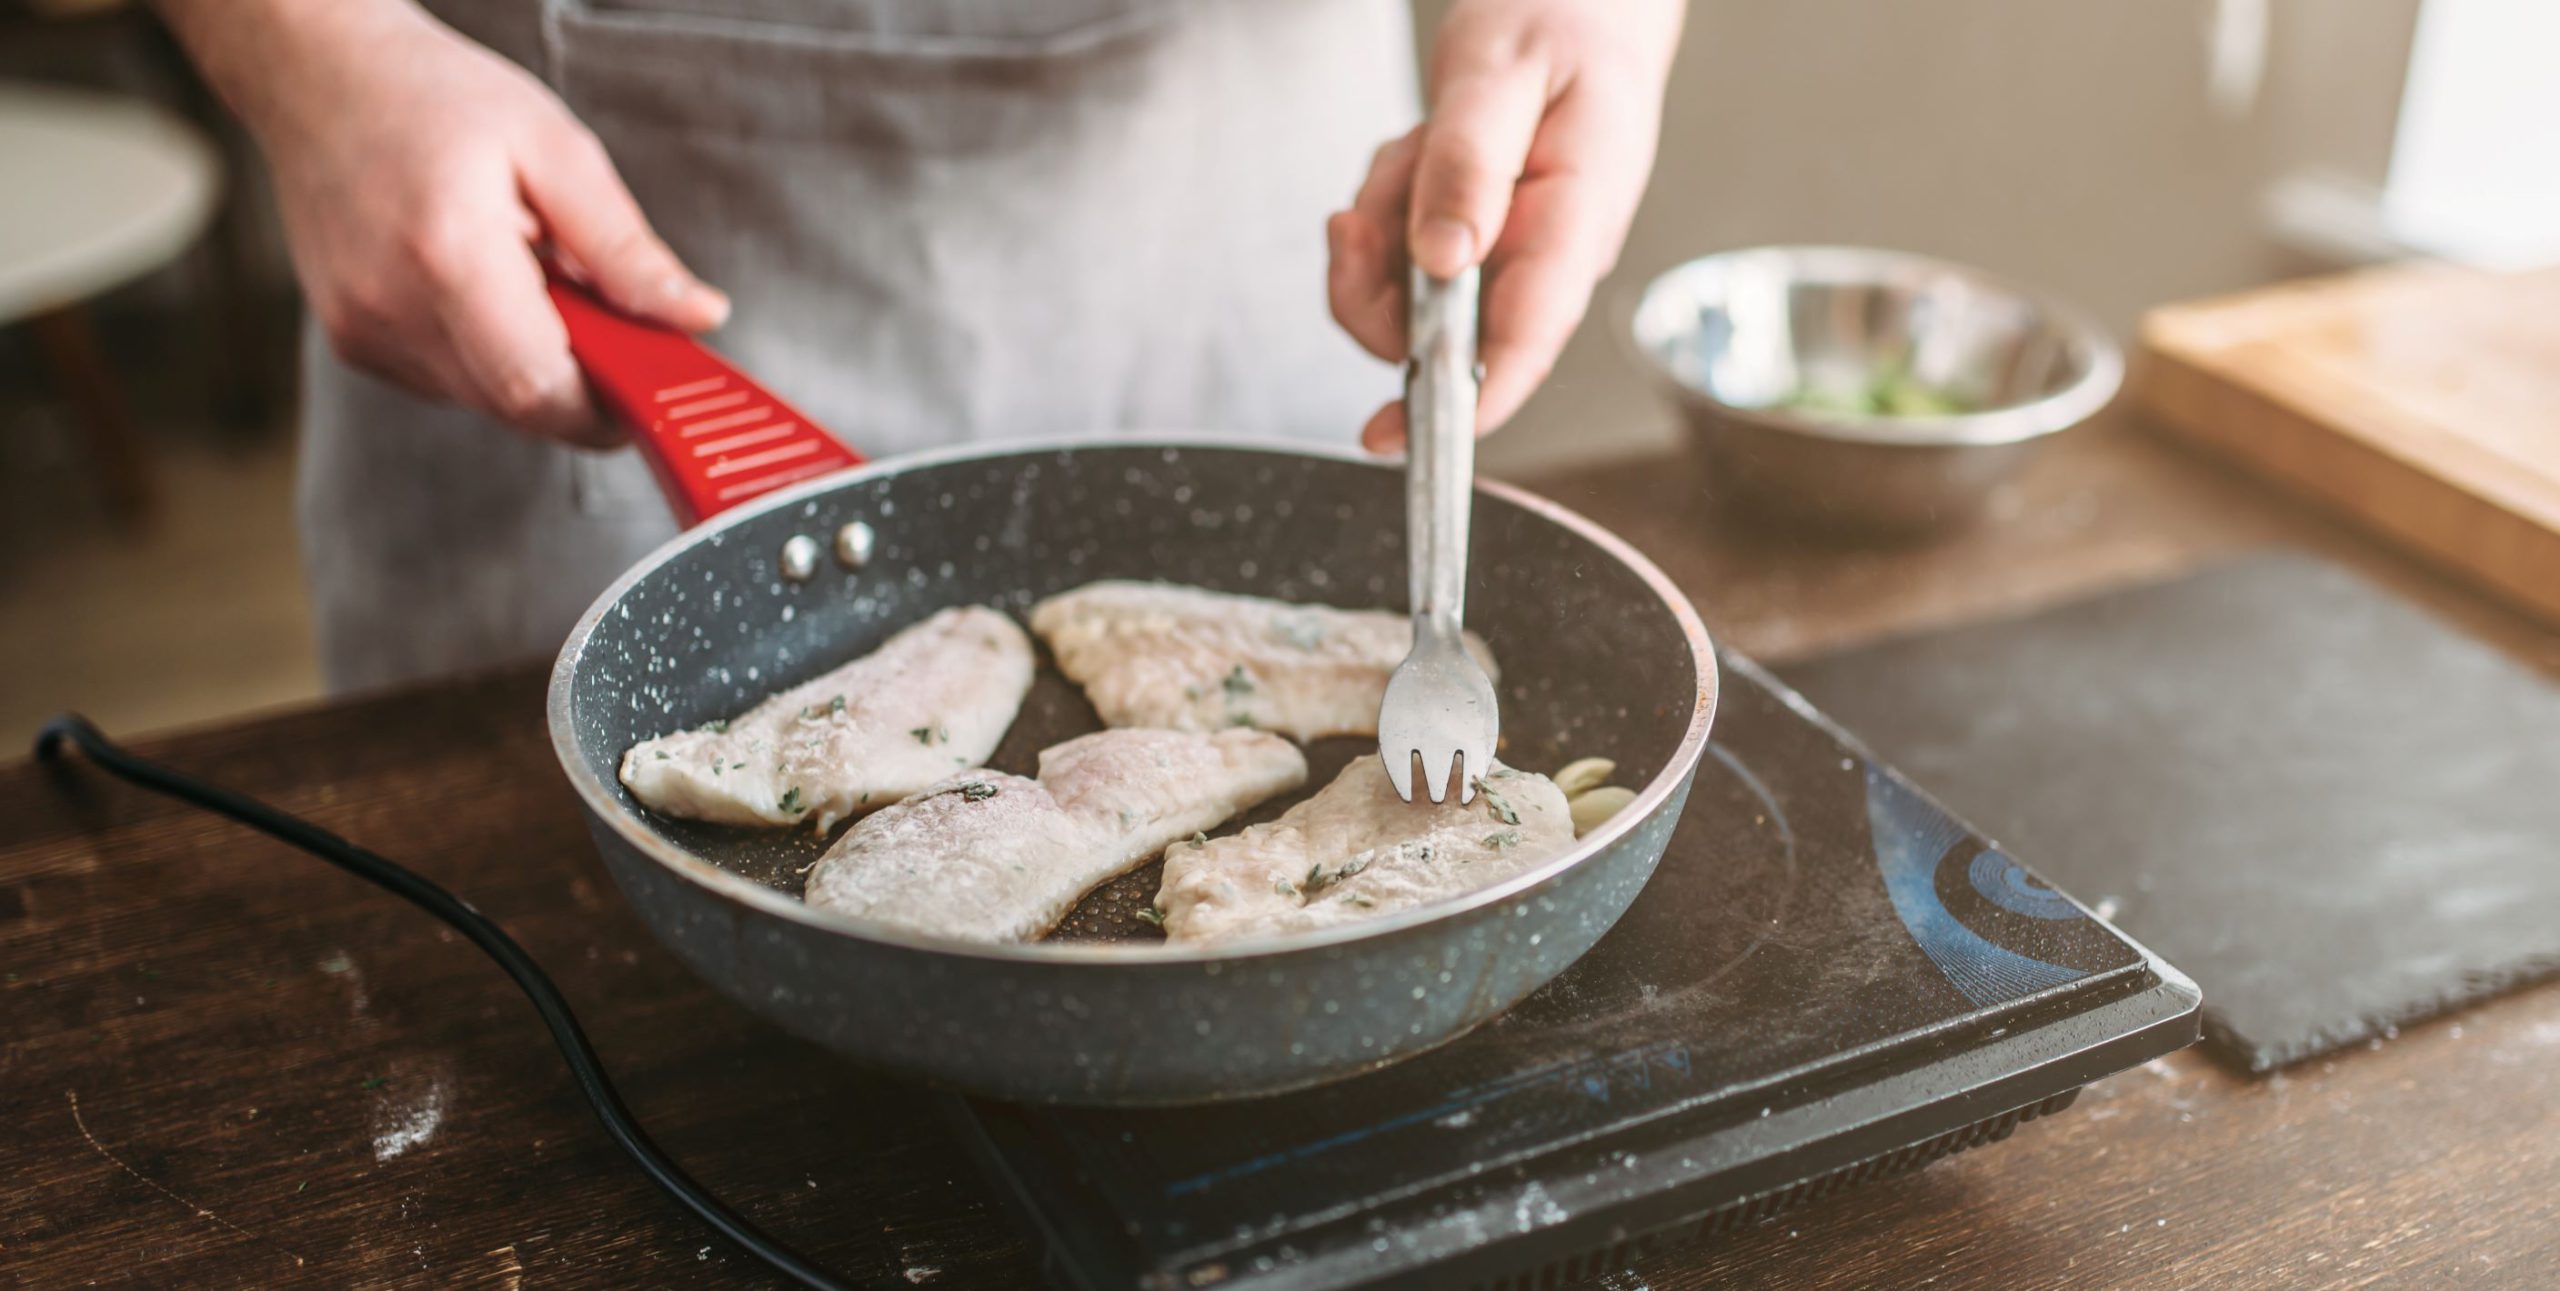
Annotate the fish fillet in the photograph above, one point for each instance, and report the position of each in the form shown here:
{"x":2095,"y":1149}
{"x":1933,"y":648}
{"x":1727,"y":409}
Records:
{"x":1188,"y":659}
{"x":1356,"y":851}
{"x":986,"y":856}
{"x":931,"y":700}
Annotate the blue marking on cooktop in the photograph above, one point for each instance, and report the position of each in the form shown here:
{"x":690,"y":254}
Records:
{"x":1911,"y":837}
{"x":2006,"y":884}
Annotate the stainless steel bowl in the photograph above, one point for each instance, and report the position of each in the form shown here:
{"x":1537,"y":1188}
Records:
{"x":1736,"y":338}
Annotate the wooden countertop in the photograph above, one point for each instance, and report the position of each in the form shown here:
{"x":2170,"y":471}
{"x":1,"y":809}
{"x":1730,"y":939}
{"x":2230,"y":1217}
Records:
{"x":225,"y":1064}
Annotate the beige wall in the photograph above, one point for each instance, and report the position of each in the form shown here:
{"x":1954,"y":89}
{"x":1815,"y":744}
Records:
{"x":2067,"y":143}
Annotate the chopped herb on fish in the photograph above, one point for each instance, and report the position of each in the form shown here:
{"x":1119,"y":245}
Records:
{"x":719,"y":727}
{"x":931,"y":735}
{"x":977,"y":790}
{"x":791,"y":801}
{"x":1283,"y":886}
{"x":663,"y":755}
{"x":1148,"y":914}
{"x":1508,"y":838}
{"x":1497,"y":804}
{"x":1243,"y":720}
{"x":1200,"y":839}
{"x":1237,"y":684}
{"x":1359,"y":899}
{"x":1303,"y":632}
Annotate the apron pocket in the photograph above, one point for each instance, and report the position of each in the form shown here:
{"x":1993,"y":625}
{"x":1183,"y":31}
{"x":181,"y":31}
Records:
{"x":951,"y":79}
{"x":993,"y":28}
{"x":875,"y":199}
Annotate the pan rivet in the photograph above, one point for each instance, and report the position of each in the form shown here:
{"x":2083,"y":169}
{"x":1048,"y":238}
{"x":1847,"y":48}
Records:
{"x":800,"y":558}
{"x":853,"y":545}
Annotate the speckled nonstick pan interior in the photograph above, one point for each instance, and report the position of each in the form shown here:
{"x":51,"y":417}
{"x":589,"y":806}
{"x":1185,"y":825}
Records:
{"x":1600,"y":656}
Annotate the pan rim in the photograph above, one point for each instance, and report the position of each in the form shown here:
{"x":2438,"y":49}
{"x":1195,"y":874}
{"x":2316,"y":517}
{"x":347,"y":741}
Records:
{"x":602,"y":802}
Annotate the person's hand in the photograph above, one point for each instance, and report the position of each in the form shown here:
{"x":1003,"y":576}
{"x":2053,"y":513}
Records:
{"x":418,"y":174}
{"x":1538,"y":144}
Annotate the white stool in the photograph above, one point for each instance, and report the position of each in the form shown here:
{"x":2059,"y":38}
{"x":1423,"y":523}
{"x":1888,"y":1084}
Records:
{"x":95,"y":190}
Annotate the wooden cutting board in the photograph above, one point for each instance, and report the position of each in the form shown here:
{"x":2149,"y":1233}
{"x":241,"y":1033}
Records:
{"x":2423,"y":401}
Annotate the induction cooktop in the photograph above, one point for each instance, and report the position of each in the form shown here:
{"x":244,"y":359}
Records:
{"x":1828,"y":980}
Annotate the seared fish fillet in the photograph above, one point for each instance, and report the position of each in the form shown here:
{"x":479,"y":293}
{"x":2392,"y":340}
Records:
{"x":986,"y":856}
{"x":1355,"y":851}
{"x":1186,"y":659}
{"x":935,"y":698}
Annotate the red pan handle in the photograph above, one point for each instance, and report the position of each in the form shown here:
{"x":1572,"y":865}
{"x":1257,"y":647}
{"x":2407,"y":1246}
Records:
{"x":712,"y":436}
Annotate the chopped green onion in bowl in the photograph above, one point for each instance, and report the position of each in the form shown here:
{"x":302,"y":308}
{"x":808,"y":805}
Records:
{"x":1892,"y":394}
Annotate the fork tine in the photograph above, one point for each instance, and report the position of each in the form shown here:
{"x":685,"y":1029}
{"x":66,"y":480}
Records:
{"x":1446,"y":770}
{"x":1399,"y":759}
{"x":1448,"y":779}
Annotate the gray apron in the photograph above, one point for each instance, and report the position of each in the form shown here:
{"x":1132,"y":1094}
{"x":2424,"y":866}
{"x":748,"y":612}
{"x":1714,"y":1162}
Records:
{"x":940,"y":221}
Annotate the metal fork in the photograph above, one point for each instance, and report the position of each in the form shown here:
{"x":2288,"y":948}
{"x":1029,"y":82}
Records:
{"x":1439,"y":708}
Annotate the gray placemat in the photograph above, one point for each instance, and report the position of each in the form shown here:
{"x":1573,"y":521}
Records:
{"x":2334,"y":811}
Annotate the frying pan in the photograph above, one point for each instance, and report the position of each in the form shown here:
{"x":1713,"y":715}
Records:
{"x":1600,"y":656}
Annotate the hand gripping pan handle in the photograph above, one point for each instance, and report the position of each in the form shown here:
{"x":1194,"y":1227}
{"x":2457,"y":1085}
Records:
{"x":712,"y":436}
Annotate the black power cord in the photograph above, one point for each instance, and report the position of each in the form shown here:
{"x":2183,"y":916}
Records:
{"x":484,"y":933}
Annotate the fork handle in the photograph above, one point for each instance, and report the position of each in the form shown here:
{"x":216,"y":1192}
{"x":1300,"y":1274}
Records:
{"x":1440,"y":445}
